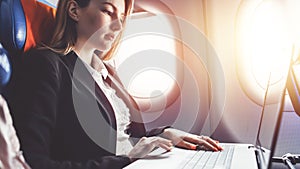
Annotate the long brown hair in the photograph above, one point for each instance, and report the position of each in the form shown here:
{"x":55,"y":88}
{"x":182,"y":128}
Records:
{"x":65,"y":35}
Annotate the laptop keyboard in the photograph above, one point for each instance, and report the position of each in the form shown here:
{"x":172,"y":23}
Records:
{"x":209,"y":159}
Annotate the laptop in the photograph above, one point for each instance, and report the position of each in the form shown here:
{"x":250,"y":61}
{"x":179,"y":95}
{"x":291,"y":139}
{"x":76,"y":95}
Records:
{"x":234,"y":156}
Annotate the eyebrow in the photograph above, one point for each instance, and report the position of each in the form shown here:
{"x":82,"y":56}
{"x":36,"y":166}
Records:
{"x":113,"y":6}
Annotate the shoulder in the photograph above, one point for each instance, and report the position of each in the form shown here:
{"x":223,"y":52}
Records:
{"x":42,"y":58}
{"x":40,"y":54}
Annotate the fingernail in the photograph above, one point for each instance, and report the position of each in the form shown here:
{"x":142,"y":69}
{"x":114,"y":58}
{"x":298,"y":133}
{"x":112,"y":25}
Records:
{"x":215,"y":149}
{"x":193,"y":147}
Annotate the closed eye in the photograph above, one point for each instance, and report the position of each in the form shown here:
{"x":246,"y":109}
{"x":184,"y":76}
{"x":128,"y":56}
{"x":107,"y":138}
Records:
{"x":107,"y":12}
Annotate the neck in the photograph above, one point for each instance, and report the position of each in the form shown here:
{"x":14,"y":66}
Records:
{"x":97,"y":62}
{"x":87,"y":53}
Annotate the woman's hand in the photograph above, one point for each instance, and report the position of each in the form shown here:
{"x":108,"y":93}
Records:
{"x":146,"y":144}
{"x":191,"y":141}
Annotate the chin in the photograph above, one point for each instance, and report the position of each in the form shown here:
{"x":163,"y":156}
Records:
{"x":107,"y":46}
{"x":103,"y":46}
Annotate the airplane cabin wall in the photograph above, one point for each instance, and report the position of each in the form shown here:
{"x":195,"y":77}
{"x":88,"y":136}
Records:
{"x":241,"y":115}
{"x":216,"y":20}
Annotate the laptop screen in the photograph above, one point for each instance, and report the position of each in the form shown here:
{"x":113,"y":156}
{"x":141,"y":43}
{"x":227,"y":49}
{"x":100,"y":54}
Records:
{"x":270,"y":119}
{"x":270,"y":116}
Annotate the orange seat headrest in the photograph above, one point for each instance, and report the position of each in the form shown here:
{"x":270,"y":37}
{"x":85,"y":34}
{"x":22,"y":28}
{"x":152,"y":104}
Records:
{"x":39,"y":22}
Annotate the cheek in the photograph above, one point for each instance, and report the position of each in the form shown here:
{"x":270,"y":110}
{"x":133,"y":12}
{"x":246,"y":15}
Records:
{"x":92,"y":22}
{"x":96,"y":22}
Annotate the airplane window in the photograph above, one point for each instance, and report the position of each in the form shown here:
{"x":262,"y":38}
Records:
{"x":263,"y":47}
{"x":147,"y":59}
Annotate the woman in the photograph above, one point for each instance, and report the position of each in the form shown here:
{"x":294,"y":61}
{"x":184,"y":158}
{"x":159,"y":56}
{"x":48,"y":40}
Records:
{"x":58,"y":86}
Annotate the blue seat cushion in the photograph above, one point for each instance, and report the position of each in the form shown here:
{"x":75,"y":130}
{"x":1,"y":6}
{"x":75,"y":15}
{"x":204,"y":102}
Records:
{"x":12,"y":25}
{"x":5,"y":67}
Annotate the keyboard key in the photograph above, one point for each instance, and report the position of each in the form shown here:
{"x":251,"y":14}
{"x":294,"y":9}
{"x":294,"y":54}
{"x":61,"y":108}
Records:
{"x":209,"y":159}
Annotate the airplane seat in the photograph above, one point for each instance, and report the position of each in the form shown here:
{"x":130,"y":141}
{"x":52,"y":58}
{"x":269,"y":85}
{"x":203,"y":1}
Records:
{"x":23,"y":24}
{"x":12,"y":41}
{"x":12,"y":38}
{"x":5,"y":68}
{"x":12,"y":26}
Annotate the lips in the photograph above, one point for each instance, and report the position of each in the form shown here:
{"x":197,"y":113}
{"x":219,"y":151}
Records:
{"x":109,"y":36}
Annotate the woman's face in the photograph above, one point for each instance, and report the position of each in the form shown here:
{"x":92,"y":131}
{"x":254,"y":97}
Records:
{"x":100,"y":23}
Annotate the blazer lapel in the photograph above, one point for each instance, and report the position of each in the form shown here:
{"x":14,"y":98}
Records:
{"x":81,"y":76}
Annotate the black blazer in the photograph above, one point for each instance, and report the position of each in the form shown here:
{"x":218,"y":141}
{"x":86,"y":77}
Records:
{"x":63,"y":119}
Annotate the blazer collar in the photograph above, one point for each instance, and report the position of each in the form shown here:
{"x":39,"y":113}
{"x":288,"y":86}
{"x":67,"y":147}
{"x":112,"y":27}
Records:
{"x":85,"y":78}
{"x":81,"y":75}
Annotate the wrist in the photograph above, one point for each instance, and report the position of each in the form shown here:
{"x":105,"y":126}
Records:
{"x":166,"y":132}
{"x":131,"y":158}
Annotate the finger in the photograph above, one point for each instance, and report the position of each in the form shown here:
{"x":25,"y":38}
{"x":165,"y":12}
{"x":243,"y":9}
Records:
{"x":214,"y":143}
{"x":166,"y":147}
{"x":210,"y":141}
{"x":208,"y":146}
{"x":187,"y":145}
{"x":206,"y":143}
{"x":160,"y":140}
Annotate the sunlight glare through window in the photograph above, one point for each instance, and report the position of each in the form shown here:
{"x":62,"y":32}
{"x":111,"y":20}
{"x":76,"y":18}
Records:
{"x":137,"y":38}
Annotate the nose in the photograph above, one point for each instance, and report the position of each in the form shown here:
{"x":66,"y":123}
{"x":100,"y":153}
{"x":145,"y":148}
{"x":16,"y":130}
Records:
{"x":116,"y":25}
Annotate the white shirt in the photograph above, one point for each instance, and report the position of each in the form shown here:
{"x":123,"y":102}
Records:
{"x":121,"y":111}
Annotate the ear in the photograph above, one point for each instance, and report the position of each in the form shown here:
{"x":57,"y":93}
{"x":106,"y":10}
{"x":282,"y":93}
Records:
{"x":73,"y":10}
